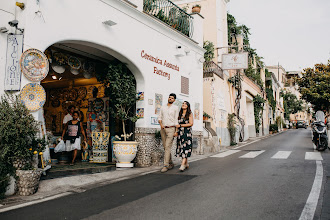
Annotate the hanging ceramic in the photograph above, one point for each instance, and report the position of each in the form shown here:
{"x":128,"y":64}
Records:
{"x":98,"y":105}
{"x":57,"y":68}
{"x":84,"y":104}
{"x":74,"y":62}
{"x":66,"y":104}
{"x":82,"y":92}
{"x":88,"y":66}
{"x":56,"y":103}
{"x":33,"y":96}
{"x":60,"y":58}
{"x":34,"y":65}
{"x":91,"y":116}
{"x":87,"y":75}
{"x":74,"y":71}
{"x":90,"y":92}
{"x":73,"y":94}
{"x":101,"y":90}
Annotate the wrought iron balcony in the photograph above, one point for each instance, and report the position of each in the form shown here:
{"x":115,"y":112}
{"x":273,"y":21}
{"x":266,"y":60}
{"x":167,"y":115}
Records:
{"x":171,"y":14}
{"x":210,"y":68}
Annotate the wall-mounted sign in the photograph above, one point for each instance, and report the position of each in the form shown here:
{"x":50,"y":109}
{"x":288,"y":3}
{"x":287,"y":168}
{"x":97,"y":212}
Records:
{"x":234,"y":61}
{"x":13,"y":70}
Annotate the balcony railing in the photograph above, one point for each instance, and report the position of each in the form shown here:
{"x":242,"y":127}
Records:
{"x":171,"y":14}
{"x":210,"y":68}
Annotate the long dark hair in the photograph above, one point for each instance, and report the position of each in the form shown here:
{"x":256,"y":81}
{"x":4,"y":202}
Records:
{"x":186,"y":117}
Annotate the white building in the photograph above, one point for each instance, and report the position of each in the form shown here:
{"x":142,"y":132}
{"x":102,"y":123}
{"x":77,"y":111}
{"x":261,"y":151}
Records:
{"x":162,"y":59}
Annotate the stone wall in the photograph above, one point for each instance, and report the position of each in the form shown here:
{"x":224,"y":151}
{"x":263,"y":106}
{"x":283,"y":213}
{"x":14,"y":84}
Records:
{"x":150,"y":150}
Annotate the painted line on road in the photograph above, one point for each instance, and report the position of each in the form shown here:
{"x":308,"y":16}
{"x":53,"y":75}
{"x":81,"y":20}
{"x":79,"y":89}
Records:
{"x":282,"y":155}
{"x":311,"y":203}
{"x":226,"y":153}
{"x":252,"y":154}
{"x":34,"y":202}
{"x":313,"y":156}
{"x":246,"y":144}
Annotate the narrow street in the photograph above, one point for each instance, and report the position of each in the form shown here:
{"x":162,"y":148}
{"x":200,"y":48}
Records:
{"x":269,"y":179}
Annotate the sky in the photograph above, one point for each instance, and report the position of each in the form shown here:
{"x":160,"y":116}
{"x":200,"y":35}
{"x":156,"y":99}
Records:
{"x":293,"y":33}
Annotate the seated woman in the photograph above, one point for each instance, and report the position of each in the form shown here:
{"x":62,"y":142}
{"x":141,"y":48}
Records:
{"x":72,"y":132}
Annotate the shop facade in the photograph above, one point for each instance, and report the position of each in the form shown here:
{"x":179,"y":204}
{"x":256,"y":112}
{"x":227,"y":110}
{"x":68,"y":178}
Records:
{"x":161,"y":59}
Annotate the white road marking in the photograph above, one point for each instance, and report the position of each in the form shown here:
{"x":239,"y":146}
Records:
{"x":311,"y":203}
{"x":34,"y":202}
{"x":227,"y":153}
{"x":313,"y":156}
{"x":252,"y":154}
{"x":282,"y":155}
{"x":246,"y":144}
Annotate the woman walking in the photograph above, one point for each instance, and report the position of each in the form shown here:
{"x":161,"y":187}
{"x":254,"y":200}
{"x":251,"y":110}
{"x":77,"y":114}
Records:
{"x":72,"y":132}
{"x":184,"y":134}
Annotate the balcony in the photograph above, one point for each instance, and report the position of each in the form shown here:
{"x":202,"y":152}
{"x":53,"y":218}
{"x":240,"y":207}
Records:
{"x":211,"y":68}
{"x":169,"y":13}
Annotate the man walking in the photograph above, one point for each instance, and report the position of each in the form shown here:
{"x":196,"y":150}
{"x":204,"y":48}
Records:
{"x":168,"y":119}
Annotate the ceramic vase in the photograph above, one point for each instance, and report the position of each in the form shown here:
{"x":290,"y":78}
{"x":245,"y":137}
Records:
{"x":125,"y":152}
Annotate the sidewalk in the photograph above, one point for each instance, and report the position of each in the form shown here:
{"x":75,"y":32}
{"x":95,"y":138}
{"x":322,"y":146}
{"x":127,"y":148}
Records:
{"x":79,"y":183}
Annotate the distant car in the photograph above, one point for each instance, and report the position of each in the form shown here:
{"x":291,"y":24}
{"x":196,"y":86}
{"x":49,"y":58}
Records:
{"x":301,"y":124}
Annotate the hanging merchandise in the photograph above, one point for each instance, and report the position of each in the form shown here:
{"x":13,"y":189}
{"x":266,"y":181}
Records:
{"x":101,"y":91}
{"x":60,"y":58}
{"x":34,"y":65}
{"x":33,"y":96}
{"x":74,"y":62}
{"x":82,"y":92}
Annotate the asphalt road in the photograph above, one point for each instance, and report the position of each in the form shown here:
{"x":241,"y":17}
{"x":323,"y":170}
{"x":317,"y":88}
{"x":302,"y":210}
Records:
{"x":228,"y":187}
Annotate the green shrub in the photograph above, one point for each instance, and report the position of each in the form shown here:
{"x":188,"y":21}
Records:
{"x":273,"y":128}
{"x":18,"y":137}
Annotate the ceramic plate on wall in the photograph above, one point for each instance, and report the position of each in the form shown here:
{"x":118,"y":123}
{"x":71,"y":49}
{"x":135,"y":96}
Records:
{"x":82,"y":92}
{"x":33,"y":96}
{"x":74,"y":62}
{"x":57,"y":68}
{"x":34,"y":65}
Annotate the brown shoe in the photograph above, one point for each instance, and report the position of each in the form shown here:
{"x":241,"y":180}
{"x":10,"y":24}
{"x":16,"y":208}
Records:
{"x":164,"y":169}
{"x":171,"y":166}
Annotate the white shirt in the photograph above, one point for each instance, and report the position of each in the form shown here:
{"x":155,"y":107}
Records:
{"x":67,"y":118}
{"x":169,"y":115}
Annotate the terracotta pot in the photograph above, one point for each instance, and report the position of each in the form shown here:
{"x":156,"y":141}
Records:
{"x":205,"y":118}
{"x":196,"y":9}
{"x":125,"y":152}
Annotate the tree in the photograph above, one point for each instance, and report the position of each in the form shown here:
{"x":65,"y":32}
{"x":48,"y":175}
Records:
{"x":120,"y":86}
{"x":291,"y":104}
{"x":314,"y":86}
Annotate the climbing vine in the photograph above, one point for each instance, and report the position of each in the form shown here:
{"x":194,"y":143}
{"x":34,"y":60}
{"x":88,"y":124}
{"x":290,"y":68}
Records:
{"x":258,"y":103}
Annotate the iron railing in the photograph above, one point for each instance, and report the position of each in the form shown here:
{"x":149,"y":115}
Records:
{"x":210,"y":68}
{"x":171,"y":14}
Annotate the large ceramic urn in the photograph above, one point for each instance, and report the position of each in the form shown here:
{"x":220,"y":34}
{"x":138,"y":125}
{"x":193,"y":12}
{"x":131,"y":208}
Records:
{"x":125,"y":152}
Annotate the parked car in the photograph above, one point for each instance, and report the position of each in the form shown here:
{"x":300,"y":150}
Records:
{"x":301,"y":124}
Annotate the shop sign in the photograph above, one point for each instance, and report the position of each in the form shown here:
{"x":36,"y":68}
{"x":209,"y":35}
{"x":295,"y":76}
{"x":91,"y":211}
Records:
{"x":13,"y":70}
{"x":234,"y":61}
{"x":161,"y":62}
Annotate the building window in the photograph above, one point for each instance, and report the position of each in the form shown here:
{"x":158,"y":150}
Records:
{"x":184,"y":85}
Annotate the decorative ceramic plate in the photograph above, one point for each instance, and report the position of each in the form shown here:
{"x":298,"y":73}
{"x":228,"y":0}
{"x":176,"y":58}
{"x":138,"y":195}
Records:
{"x":33,"y":96}
{"x":73,"y":94}
{"x":84,"y":103}
{"x":74,"y":62}
{"x":56,"y":103}
{"x":90,"y":92}
{"x":102,"y":116}
{"x":82,"y":92}
{"x":88,"y":67}
{"x":57,"y":68}
{"x":34,"y":65}
{"x":66,"y":104}
{"x":60,"y":58}
{"x":100,"y":93}
{"x":91,"y":116}
{"x":98,"y":105}
{"x":74,"y":71}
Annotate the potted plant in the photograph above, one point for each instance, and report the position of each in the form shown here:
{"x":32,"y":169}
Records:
{"x":19,"y":145}
{"x":206,"y":116}
{"x":120,"y":86}
{"x":196,"y":9}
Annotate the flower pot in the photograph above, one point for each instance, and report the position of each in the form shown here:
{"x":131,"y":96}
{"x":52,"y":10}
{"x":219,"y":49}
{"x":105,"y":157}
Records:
{"x":28,"y":181}
{"x":205,"y":118}
{"x":196,"y":9}
{"x":125,"y":152}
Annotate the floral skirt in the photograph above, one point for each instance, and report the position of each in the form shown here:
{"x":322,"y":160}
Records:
{"x":184,"y":143}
